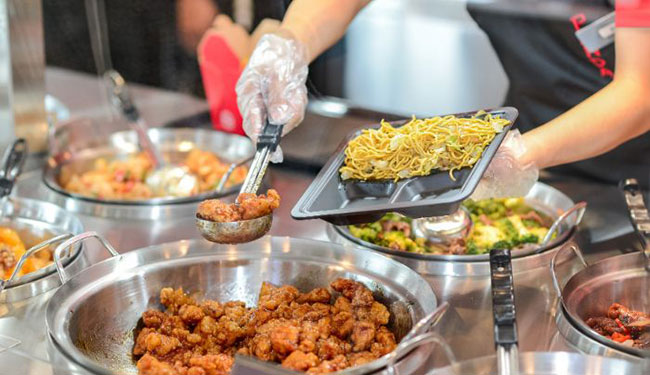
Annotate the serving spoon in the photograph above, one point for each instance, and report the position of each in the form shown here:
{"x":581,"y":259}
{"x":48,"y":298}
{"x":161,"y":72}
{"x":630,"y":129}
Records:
{"x":235,"y":232}
{"x":165,"y":180}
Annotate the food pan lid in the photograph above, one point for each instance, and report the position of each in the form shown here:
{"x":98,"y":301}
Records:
{"x":343,"y":203}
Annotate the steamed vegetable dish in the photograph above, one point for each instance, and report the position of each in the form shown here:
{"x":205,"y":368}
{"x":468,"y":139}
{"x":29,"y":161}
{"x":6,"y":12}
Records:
{"x":498,"y":224}
{"x":126,"y":179}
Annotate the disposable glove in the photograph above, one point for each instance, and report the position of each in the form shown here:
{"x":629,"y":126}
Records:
{"x":273,"y":86}
{"x":508,"y":175}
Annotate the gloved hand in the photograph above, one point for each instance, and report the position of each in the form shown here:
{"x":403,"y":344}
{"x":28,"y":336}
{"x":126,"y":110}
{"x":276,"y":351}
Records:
{"x":508,"y":175}
{"x":273,"y":85}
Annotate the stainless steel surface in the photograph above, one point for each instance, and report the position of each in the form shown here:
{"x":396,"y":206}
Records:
{"x":443,"y":229}
{"x":554,"y":363}
{"x":30,"y":252}
{"x":79,"y":155}
{"x":410,"y":343}
{"x":427,"y":322}
{"x":36,"y":221}
{"x":236,"y":231}
{"x":22,"y":66}
{"x":578,"y":210}
{"x":621,"y":279}
{"x":100,"y":338}
{"x":542,"y":197}
{"x":78,"y":239}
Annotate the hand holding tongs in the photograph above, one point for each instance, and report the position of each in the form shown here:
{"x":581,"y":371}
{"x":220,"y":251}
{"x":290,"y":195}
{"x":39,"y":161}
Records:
{"x":247,"y":230}
{"x":503,"y":309}
{"x":12,"y":165}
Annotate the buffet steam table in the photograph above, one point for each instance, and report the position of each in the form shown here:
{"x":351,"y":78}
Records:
{"x":467,"y":326}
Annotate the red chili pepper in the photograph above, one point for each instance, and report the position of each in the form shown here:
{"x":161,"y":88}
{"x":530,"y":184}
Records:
{"x":621,"y":326}
{"x":620,"y":337}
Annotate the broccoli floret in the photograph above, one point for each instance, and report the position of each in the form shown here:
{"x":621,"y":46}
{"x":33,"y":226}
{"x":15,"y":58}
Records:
{"x":367,"y":233}
{"x":500,"y":245}
{"x":529,"y":238}
{"x":471,"y":248}
{"x":391,"y":216}
{"x":376,"y":226}
{"x":528,"y":223}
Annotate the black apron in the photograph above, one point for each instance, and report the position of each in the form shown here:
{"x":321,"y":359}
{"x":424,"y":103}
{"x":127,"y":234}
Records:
{"x":550,"y":72}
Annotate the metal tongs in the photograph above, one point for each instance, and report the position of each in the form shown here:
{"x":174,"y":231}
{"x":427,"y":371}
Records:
{"x":247,"y":230}
{"x":503,"y":309}
{"x":638,"y":215}
{"x":12,"y":165}
{"x":165,"y":180}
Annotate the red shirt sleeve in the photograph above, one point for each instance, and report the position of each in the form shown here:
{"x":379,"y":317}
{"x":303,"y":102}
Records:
{"x":632,"y":13}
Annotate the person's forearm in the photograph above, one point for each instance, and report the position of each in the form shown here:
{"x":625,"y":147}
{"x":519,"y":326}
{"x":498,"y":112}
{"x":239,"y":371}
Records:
{"x":318,"y":24}
{"x":612,"y":116}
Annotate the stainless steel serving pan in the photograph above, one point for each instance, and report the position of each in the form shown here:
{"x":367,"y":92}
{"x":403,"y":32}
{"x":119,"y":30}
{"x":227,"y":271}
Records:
{"x":542,"y":197}
{"x":623,"y":279}
{"x":548,"y":363}
{"x":37,"y":221}
{"x":92,"y":316}
{"x":75,"y":152}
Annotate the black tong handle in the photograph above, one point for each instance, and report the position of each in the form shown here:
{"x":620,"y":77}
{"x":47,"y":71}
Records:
{"x":12,"y":165}
{"x":637,"y":209}
{"x":503,"y":298}
{"x":270,"y":137}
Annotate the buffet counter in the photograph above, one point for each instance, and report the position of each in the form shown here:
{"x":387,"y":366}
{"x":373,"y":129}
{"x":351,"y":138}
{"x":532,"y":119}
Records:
{"x":467,"y":326}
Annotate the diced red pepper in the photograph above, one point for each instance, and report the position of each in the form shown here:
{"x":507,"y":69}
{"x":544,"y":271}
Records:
{"x":621,"y":326}
{"x":620,"y":337}
{"x":119,"y":175}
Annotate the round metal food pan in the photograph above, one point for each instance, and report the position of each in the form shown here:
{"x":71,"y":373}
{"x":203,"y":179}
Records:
{"x":549,"y":363}
{"x":589,"y":292}
{"x":541,"y":197}
{"x":35,"y":222}
{"x":77,"y":156}
{"x":92,"y":316}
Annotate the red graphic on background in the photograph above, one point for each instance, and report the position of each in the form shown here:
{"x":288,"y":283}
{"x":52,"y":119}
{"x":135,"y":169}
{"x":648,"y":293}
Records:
{"x":632,"y":13}
{"x":594,"y":57}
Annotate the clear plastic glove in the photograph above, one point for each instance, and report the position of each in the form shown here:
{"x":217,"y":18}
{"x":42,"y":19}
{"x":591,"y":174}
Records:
{"x":273,"y":85}
{"x":507,"y":175}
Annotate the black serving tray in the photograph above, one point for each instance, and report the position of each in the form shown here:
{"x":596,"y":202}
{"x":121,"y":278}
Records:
{"x":353,"y":202}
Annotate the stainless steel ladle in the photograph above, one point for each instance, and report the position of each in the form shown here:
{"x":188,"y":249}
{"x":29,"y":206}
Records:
{"x":247,"y":230}
{"x":165,"y":180}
